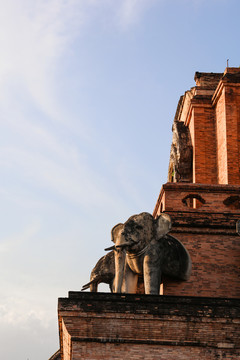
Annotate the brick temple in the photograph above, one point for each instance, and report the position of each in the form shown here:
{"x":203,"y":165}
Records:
{"x":199,"y":318}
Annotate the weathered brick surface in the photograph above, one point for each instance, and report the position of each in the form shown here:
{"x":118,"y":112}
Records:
{"x":209,"y":234}
{"x":221,"y":132}
{"x":66,"y":340}
{"x":173,"y":194}
{"x":232,"y":100}
{"x":114,"y":326}
{"x":204,"y":157}
{"x":101,"y":351}
{"x":211,"y":110}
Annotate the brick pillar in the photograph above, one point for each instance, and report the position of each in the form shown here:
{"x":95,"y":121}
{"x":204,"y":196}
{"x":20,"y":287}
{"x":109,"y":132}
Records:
{"x":232,"y":103}
{"x":221,"y":132}
{"x":226,"y":101}
{"x":202,"y":129}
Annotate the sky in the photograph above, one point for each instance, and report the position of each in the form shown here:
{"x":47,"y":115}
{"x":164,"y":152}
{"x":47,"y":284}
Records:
{"x":88,"y":93}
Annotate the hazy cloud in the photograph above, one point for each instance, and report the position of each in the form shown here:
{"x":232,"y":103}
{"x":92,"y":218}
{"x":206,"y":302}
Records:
{"x":34,"y":34}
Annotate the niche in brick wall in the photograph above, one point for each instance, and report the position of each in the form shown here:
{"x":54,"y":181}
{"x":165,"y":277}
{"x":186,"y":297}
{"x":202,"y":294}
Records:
{"x":193,"y":201}
{"x":232,"y":202}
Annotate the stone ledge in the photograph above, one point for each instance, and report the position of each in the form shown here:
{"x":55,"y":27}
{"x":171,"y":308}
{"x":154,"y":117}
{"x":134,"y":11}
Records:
{"x":149,"y":304}
{"x":146,"y":342}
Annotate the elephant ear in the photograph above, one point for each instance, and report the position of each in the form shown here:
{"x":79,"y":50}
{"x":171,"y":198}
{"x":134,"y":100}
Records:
{"x":163,"y":224}
{"x":115,"y":232}
{"x":176,"y":261}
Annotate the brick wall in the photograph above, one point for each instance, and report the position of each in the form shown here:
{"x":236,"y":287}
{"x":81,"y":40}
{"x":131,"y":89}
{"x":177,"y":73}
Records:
{"x":203,"y":133}
{"x":209,"y":234}
{"x":211,"y":110}
{"x":99,"y":351}
{"x":221,"y":132}
{"x":232,"y":99}
{"x":114,"y":326}
{"x":66,"y":340}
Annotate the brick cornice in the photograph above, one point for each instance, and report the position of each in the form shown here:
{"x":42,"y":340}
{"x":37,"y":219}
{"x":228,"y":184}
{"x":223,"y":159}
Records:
{"x":202,"y":187}
{"x":222,"y":84}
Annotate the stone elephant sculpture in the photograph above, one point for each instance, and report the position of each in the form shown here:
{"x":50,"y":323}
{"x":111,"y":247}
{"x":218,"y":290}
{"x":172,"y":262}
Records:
{"x":143,"y":248}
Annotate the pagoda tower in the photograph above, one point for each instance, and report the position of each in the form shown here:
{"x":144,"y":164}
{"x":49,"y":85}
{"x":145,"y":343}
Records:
{"x":198,"y":318}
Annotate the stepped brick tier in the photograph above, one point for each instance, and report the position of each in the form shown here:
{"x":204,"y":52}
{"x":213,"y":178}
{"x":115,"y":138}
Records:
{"x":209,"y":115}
{"x":129,"y":326}
{"x":209,"y":233}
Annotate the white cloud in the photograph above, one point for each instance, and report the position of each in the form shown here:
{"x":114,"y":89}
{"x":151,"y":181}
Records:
{"x":33,"y":332}
{"x":17,"y":312}
{"x":70,"y":179}
{"x":34,"y":34}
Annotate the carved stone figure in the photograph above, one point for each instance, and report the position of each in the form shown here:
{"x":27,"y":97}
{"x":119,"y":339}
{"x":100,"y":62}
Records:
{"x":144,"y":249}
{"x":180,"y":164}
{"x":103,"y":272}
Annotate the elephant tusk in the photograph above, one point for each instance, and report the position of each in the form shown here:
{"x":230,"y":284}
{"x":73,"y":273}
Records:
{"x":110,"y":248}
{"x":86,"y":286}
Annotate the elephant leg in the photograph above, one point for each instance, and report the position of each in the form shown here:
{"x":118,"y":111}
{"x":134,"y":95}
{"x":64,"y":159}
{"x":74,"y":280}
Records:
{"x":152,"y":276}
{"x":94,"y":286}
{"x":120,"y":257}
{"x":131,"y":281}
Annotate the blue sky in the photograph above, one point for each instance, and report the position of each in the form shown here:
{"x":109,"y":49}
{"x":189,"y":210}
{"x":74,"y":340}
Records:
{"x":88,"y":92}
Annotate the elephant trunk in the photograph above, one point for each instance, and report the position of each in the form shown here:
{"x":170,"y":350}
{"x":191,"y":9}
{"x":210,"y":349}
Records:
{"x":120,"y":257}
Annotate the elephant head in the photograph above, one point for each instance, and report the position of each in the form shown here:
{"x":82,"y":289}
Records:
{"x":139,"y":230}
{"x":132,"y":238}
{"x":144,"y":248}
